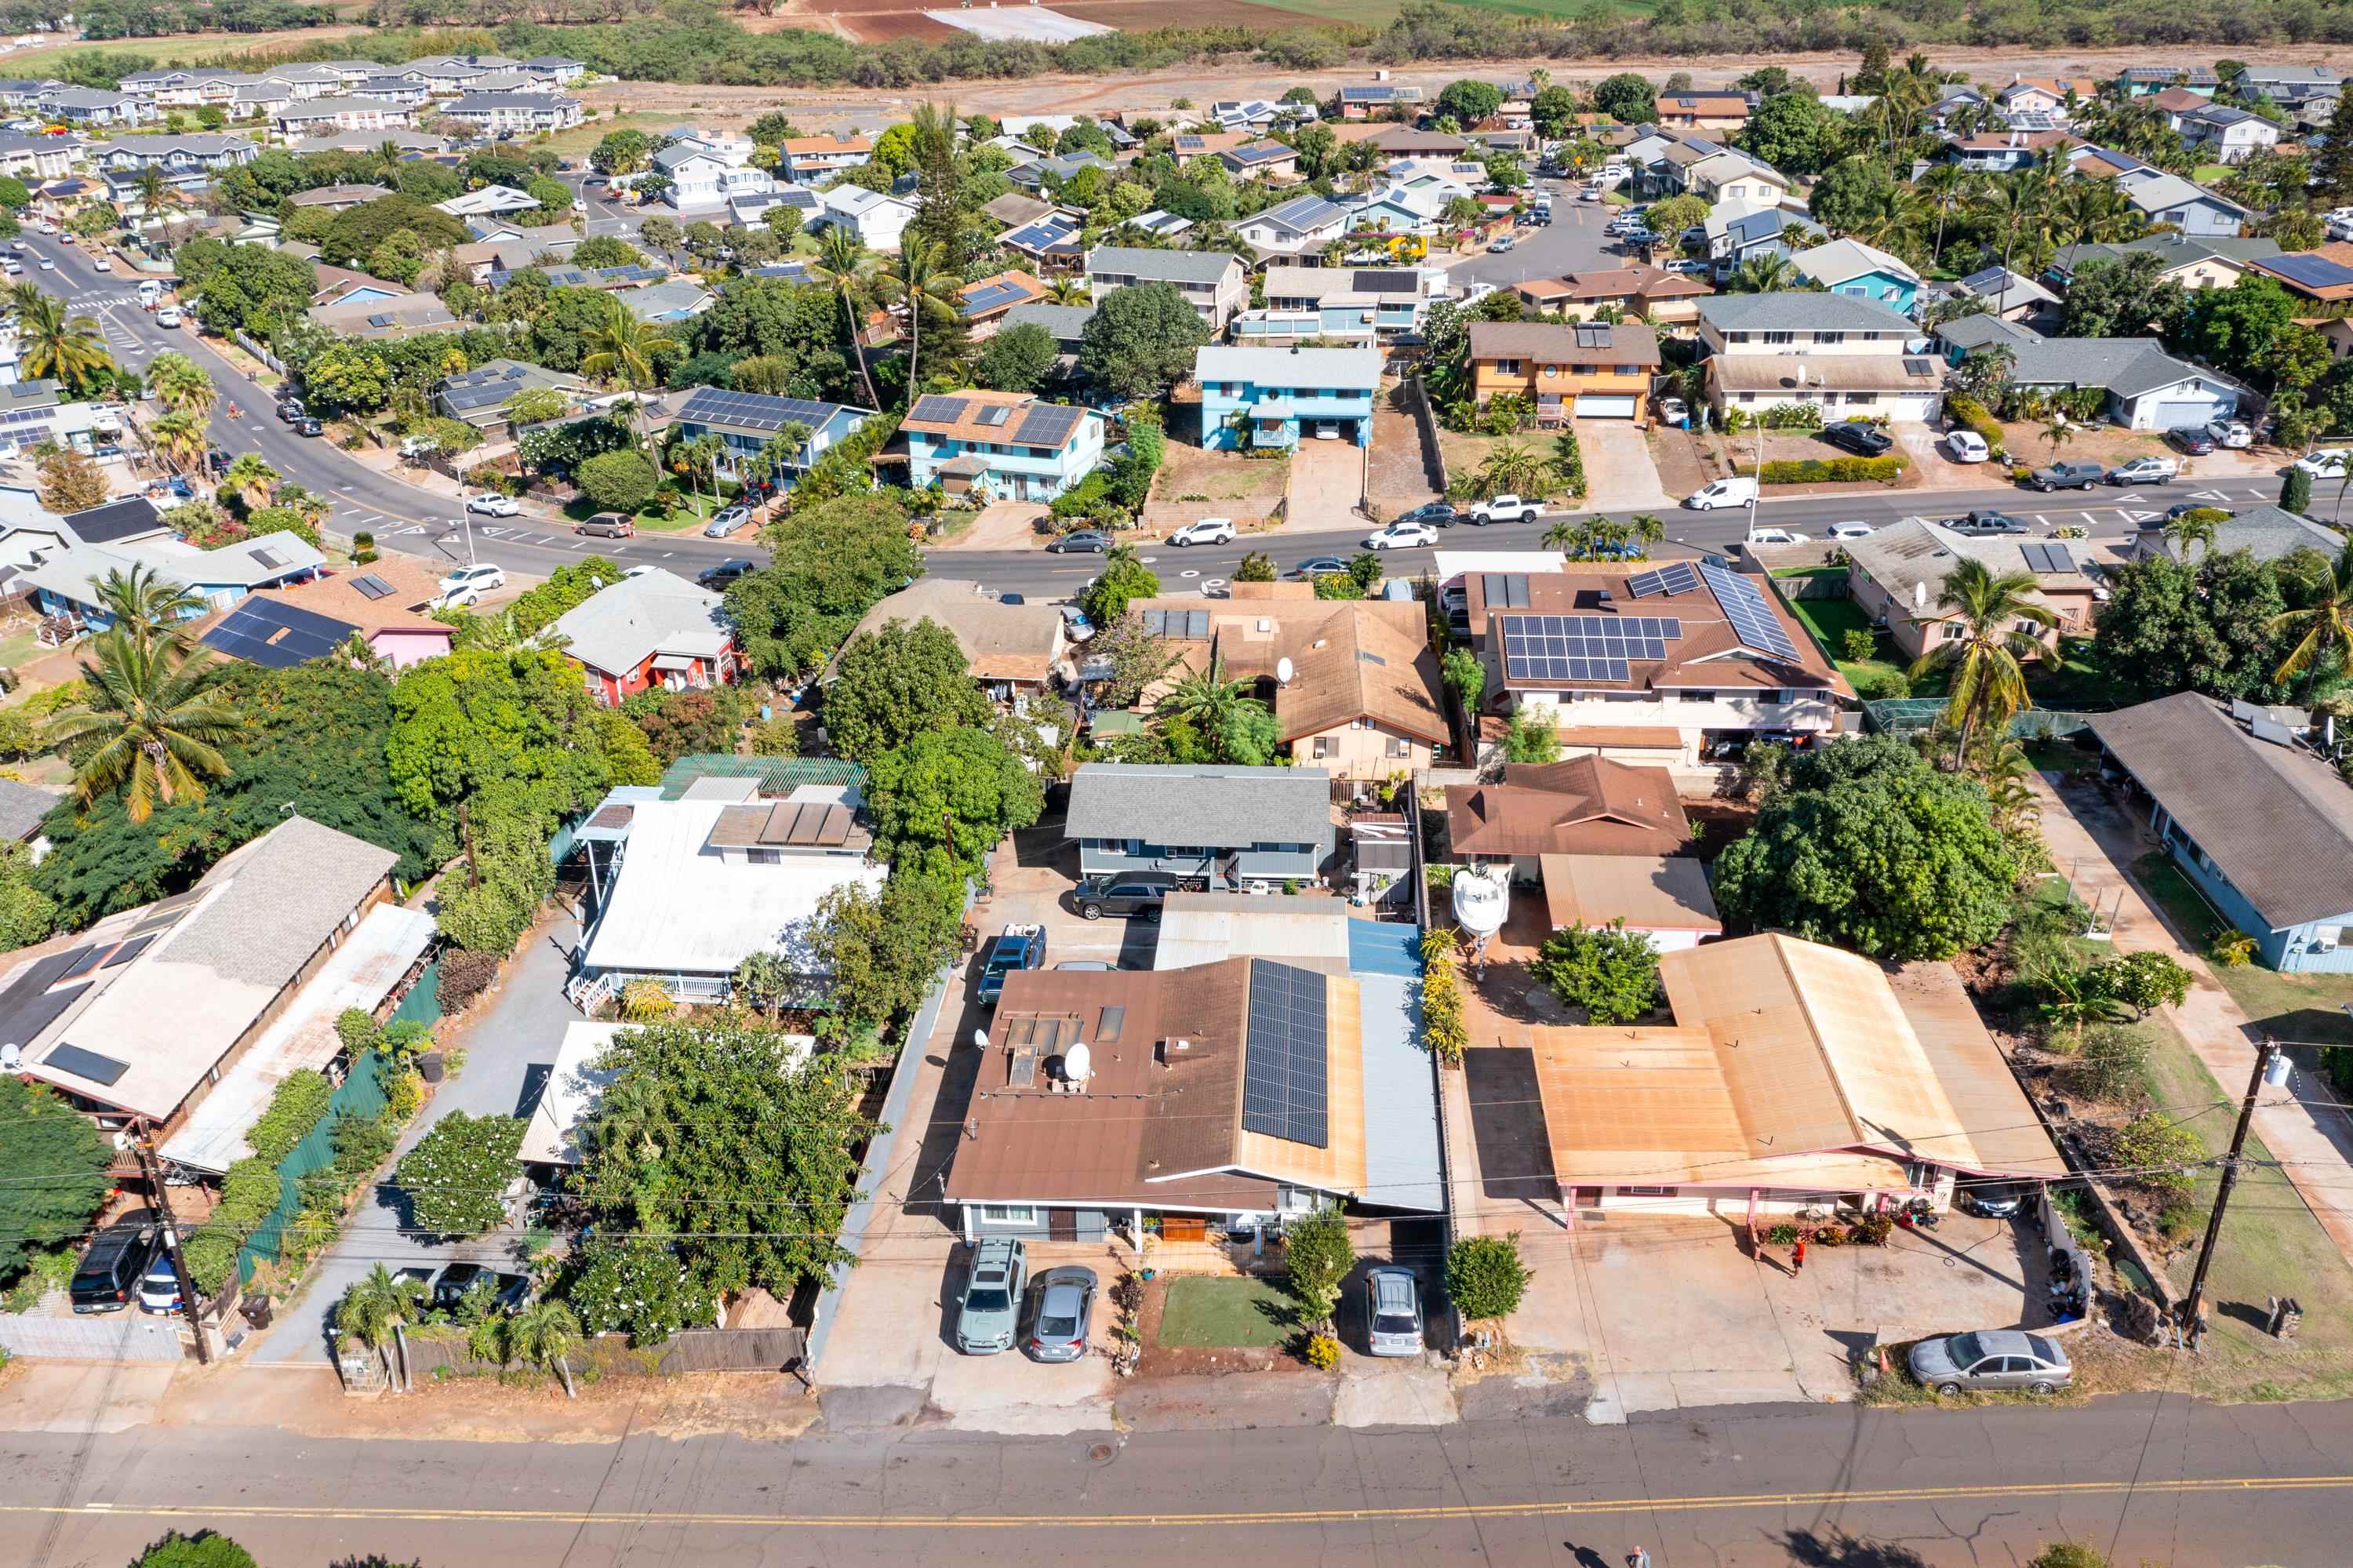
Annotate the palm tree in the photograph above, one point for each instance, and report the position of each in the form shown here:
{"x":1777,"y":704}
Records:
{"x":1210,"y":701}
{"x":181,"y":383}
{"x":2006,"y":772}
{"x":2325,"y":625}
{"x":621,"y":350}
{"x":179,"y":438}
{"x":388,"y":159}
{"x":147,"y":602}
{"x":57,"y":347}
{"x":2194,"y":527}
{"x":844,"y":266}
{"x":1068,"y":289}
{"x":1942,"y":188}
{"x":2057,"y":432}
{"x":155,"y":719}
{"x":375,"y":1302}
{"x":1988,"y":658}
{"x":919,"y":280}
{"x":1513,"y":468}
{"x":1767,"y":273}
{"x":545,"y":1332}
{"x":154,"y":190}
{"x":1645,"y":529}
{"x":251,"y":478}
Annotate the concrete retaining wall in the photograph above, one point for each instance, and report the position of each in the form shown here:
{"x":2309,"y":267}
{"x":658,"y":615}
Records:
{"x":116,"y":1337}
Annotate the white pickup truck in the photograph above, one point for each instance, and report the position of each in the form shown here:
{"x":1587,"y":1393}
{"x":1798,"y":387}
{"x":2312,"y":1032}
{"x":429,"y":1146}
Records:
{"x":1506,"y":508}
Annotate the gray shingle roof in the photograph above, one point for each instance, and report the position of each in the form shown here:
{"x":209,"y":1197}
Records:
{"x":23,"y":809}
{"x":289,"y":890}
{"x":1227,"y":808}
{"x":1161,"y":266}
{"x":1065,"y":321}
{"x":1797,"y":311}
{"x":2277,"y":821}
{"x":2269,"y":533}
{"x":2126,"y":367}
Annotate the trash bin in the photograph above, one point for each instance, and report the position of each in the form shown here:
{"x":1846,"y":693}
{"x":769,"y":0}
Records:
{"x":429,"y":1066}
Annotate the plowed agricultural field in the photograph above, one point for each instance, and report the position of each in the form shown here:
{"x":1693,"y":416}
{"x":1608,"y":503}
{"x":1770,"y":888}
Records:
{"x":873,"y":21}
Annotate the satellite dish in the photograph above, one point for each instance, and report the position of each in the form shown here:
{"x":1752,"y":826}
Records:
{"x":1078,"y":1063}
{"x":11,"y":1057}
{"x":1283,"y":670}
{"x":980,"y":1038}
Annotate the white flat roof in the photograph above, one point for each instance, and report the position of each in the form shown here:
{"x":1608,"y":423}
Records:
{"x":1451,"y":564}
{"x":1209,"y":927}
{"x":678,"y":910}
{"x":360,"y":973}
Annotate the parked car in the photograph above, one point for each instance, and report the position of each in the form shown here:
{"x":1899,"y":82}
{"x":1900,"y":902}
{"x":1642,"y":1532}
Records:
{"x":2191,"y":441}
{"x":103,"y":265}
{"x":1315,"y":567}
{"x":1695,"y":266}
{"x":1738,"y":491}
{"x":1401,"y":536}
{"x":1986,"y":522}
{"x":168,"y":316}
{"x":2145,"y":470}
{"x":993,"y":1289}
{"x":1207,"y":531}
{"x":731,"y":520}
{"x":1673,"y":412}
{"x":1435,"y":514}
{"x":1502,"y":245}
{"x":2230,"y":434}
{"x":2065,"y":476}
{"x":1506,"y":508}
{"x":2327,"y":463}
{"x":1994,"y":1200}
{"x":1859,"y":436}
{"x":290,"y":410}
{"x":1776,"y":536}
{"x":1092,"y":541}
{"x":725,"y":572}
{"x":472,"y":582}
{"x":493,"y":505}
{"x":1847,"y":531}
{"x":1066,"y":1309}
{"x":1075,"y":621}
{"x":109,"y":1273}
{"x":1967,"y":446}
{"x":508,"y":1290}
{"x":159,"y":1287}
{"x":306,"y":426}
{"x":1123,"y":893}
{"x":1991,"y":1358}
{"x":1016,"y":948}
{"x":606,"y":525}
{"x":1392,"y":1312}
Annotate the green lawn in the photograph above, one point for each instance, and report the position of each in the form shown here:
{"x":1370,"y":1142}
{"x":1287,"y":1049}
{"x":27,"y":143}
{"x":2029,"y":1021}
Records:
{"x":2207,"y":174}
{"x":1830,"y":620}
{"x":691,"y":512}
{"x":2299,"y":1007}
{"x":583,"y":137}
{"x":1204,"y":1310}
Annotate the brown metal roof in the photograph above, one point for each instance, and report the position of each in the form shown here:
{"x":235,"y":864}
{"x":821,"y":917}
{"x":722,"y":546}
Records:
{"x":1650,"y":893}
{"x":1707,"y":655}
{"x":1589,"y":805}
{"x":1567,"y":343}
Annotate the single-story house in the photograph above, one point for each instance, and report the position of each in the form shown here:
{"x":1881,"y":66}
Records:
{"x":479,"y":396}
{"x":2194,"y":261}
{"x":748,"y":423}
{"x":2168,"y":198}
{"x":2007,"y":294}
{"x":2267,"y":532}
{"x":1588,"y":805}
{"x":1850,"y":266}
{"x":1794,"y":1076}
{"x":1667,"y":301}
{"x":2324,"y":276}
{"x":386,"y":604}
{"x":2252,"y":814}
{"x":679,"y":300}
{"x":983,"y":302}
{"x":652,"y":630}
{"x":24,"y":808}
{"x":1663,"y":898}
{"x":404,"y":316}
{"x":1289,"y":228}
{"x":1895,"y":574}
{"x":1223,"y":827}
{"x":2147,"y":389}
{"x":1010,"y":649}
{"x":65,"y":585}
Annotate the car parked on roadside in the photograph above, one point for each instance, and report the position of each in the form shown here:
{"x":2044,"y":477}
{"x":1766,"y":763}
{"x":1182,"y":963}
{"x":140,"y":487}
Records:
{"x":159,"y":1287}
{"x":1138,"y":892}
{"x":1392,"y":1312}
{"x":1315,"y":567}
{"x":1207,"y":531}
{"x":2326,"y":462}
{"x":606,"y":525}
{"x":290,"y":410}
{"x":725,"y":572}
{"x":1435,"y":513}
{"x":2065,"y":476}
{"x":1066,"y":1308}
{"x":479,"y":580}
{"x":990,"y":1310}
{"x":2145,"y":470}
{"x":307,"y":426}
{"x":492,"y":505}
{"x":1981,"y":524}
{"x":1849,"y":531}
{"x":1089,"y":541}
{"x":1991,"y":1359}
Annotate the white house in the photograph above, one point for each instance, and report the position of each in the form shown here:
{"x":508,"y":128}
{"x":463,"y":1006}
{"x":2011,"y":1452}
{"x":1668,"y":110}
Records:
{"x":1848,"y":356}
{"x":876,"y":219}
{"x":700,"y":178}
{"x":1302,"y":224}
{"x":518,"y":111}
{"x":325,"y":114}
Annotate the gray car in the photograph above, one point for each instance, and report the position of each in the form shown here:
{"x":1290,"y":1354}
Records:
{"x":1066,"y":1309}
{"x":993,"y":1289}
{"x":1392,"y":1312}
{"x":1991,"y":1358}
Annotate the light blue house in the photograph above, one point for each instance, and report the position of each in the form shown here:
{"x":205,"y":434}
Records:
{"x":65,"y":585}
{"x":1000,"y":446}
{"x":1271,"y":398}
{"x":2256,"y":818}
{"x":745,"y":422}
{"x":1860,"y":271}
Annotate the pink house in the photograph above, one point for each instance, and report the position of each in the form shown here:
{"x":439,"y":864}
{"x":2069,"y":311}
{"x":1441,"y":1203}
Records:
{"x":652,"y":630}
{"x":388,"y":601}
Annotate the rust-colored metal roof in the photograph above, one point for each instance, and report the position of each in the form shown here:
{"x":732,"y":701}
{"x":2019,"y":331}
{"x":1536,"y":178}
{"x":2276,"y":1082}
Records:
{"x":1588,"y":805}
{"x":1650,"y":893}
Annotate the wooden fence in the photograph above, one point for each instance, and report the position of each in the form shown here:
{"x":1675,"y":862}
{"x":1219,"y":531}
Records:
{"x":692,"y":1351}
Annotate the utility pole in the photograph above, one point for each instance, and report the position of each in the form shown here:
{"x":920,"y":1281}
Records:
{"x":145,"y":1146}
{"x":2190,"y":1304}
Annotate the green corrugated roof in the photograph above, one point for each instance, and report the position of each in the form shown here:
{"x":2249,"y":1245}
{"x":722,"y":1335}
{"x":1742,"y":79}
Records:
{"x":1115,"y":721}
{"x":777,"y":775}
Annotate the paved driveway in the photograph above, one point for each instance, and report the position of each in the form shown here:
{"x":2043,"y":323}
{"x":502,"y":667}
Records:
{"x":510,"y":1049}
{"x":1572,"y":242}
{"x":1327,"y":479}
{"x":1620,"y":473}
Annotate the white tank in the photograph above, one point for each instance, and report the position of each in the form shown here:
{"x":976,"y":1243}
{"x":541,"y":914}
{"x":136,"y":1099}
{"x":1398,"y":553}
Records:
{"x":1481,"y":901}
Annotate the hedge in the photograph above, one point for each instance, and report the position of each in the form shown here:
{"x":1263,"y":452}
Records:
{"x":1969,"y":412}
{"x":1821,"y":471}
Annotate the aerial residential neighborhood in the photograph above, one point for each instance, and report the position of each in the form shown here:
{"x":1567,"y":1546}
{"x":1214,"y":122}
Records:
{"x":1449,"y":787}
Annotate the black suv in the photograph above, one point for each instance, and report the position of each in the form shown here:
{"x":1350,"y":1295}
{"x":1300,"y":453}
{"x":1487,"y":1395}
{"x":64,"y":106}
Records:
{"x":108,"y":1276}
{"x":1124,"y":893}
{"x":1859,"y":438}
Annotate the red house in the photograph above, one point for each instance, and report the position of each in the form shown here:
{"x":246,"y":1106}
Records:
{"x":652,"y":630}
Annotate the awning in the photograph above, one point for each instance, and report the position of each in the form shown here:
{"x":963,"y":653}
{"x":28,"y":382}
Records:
{"x":680,"y":662}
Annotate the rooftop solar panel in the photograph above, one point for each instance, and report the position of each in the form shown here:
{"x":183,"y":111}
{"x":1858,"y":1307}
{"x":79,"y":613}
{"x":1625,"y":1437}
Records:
{"x":1285,"y":1066}
{"x":128,"y":951}
{"x":81,"y":1064}
{"x":1046,"y":425}
{"x":941,"y":410}
{"x":1583,"y":647}
{"x":22,"y":1023}
{"x":1753,"y":621}
{"x":754,"y":410}
{"x":1676,"y":577}
{"x":2312,"y":272}
{"x":1504,"y":590}
{"x":88,"y":960}
{"x":276,"y":636}
{"x":371,"y":587}
{"x":992,"y":296}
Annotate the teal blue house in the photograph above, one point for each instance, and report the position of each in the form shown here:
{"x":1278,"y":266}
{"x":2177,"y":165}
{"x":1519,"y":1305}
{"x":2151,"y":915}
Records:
{"x":1000,"y":446}
{"x":1276,"y":397}
{"x":1860,"y":271}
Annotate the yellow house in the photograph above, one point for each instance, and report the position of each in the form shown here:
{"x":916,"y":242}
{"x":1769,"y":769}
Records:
{"x":1668,"y":301}
{"x":1590,"y":369}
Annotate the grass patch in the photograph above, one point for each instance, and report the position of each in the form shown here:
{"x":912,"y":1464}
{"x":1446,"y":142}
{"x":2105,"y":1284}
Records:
{"x":2079,"y":680}
{"x":2207,"y":174}
{"x":1830,"y":620}
{"x":584,"y":136}
{"x":691,"y":512}
{"x":2307,"y":1008}
{"x":1215,"y":1310}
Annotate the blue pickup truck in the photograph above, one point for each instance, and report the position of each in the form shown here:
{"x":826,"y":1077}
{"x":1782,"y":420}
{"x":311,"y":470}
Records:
{"x":1018,"y":948}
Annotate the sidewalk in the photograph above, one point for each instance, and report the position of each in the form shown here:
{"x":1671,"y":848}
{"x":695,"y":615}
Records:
{"x":2093,"y":839}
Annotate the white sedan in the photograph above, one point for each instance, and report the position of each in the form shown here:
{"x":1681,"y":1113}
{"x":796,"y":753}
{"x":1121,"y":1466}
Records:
{"x":1401,"y":536}
{"x":2328,"y":462}
{"x":47,"y":265}
{"x":1778,"y":536}
{"x":1849,"y":531}
{"x":493,"y":505}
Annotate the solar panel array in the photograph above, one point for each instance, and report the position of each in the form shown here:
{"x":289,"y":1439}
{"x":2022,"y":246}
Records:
{"x":1285,"y":1066}
{"x":1386,"y":283}
{"x":2312,"y":272}
{"x":276,"y":636}
{"x":2043,"y":558}
{"x":1191,"y":623}
{"x":1676,"y":577}
{"x":371,"y":587}
{"x":937,"y":410}
{"x":1582,"y":647}
{"x":84,"y":1063}
{"x":992,"y":296}
{"x":754,"y":410}
{"x":1753,"y":622}
{"x":1504,"y":590}
{"x":1048,"y":425}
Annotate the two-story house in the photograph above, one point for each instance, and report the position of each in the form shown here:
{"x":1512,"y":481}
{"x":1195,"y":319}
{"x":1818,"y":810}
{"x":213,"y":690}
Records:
{"x":2168,"y":198}
{"x":1002,"y":446}
{"x":749,"y":425}
{"x":1861,"y":271}
{"x":1255,"y":160}
{"x":876,"y":219}
{"x":187,"y":162}
{"x":555,"y":70}
{"x":2290,"y":87}
{"x":1589,"y":369}
{"x":322,"y":115}
{"x":1353,"y":305}
{"x":701,"y":179}
{"x":1214,"y":283}
{"x":1681,"y":665}
{"x":1224,"y":828}
{"x":1741,"y":231}
{"x":1707,"y":111}
{"x":93,"y":106}
{"x":1275,"y":398}
{"x":1668,"y":301}
{"x":1294,"y":228}
{"x":807,"y":160}
{"x":1849,"y":358}
{"x":34,"y":158}
{"x":522,"y":112}
{"x":1723,"y":174}
{"x":2006,"y":149}
{"x":2143,"y":80}
{"x":651,"y":630}
{"x":2222,"y":135}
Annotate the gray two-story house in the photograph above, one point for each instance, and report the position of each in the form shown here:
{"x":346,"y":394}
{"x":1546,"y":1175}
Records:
{"x":1229,"y":826}
{"x":1214,"y":283}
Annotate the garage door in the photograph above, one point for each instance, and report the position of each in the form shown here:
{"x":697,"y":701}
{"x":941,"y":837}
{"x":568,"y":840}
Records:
{"x":2178,"y":416}
{"x":1598,"y":407}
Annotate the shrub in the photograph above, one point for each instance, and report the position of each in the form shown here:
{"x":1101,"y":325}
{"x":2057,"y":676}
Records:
{"x":295,"y":1108}
{"x":2233,"y":949}
{"x":2146,"y":980}
{"x":777,"y":736}
{"x":2158,"y":1153}
{"x":465,"y":975}
{"x":204,"y":1550}
{"x":2111,"y":1063}
{"x":1873,"y":684}
{"x":617,"y":481}
{"x":2068,"y":1554}
{"x":1833,"y":471}
{"x":1612,"y":973}
{"x":1485,"y":1275}
{"x":1319,"y":1255}
{"x":638,"y":1288}
{"x":1442,"y":1029}
{"x":1792,"y":417}
{"x":1321,"y":1352}
{"x":1858,"y":643}
{"x":453,"y":1176}
{"x":1971,"y":413}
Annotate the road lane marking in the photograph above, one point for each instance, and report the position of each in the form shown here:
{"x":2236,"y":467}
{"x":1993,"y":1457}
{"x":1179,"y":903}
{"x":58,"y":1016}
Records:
{"x":1433,"y":1513}
{"x":2089,"y":520}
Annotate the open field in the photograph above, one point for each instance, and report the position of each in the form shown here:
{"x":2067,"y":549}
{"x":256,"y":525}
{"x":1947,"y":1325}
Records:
{"x":180,"y":49}
{"x":1142,"y":16}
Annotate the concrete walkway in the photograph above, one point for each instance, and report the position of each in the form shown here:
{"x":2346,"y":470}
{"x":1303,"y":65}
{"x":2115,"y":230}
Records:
{"x":2092,"y":839}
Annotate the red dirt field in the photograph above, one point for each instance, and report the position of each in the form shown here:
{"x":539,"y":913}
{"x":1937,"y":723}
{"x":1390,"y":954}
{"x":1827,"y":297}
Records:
{"x":860,"y":21}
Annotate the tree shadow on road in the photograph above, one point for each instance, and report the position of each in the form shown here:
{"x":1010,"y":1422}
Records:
{"x":1837,"y":1549}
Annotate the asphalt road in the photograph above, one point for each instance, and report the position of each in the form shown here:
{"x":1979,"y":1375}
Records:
{"x":419,"y":522}
{"x":1572,"y":242}
{"x":2147,"y":1481}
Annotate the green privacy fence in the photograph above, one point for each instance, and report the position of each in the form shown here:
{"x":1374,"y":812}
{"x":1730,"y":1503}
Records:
{"x":423,"y":1002}
{"x":361,"y":1093}
{"x":1898,"y":714}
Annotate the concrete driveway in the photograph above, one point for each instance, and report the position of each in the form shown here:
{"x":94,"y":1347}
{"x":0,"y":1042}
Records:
{"x":1620,"y":473}
{"x":1327,"y":479}
{"x":509,"y":1047}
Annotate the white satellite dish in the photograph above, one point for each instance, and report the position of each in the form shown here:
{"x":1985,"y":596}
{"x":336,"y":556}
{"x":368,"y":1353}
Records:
{"x":1283,"y":670}
{"x":11,"y":1057}
{"x":1078,"y":1063}
{"x":980,"y":1038}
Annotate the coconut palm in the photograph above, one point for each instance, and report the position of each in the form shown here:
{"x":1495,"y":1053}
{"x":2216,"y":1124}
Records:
{"x":58,"y":348}
{"x":154,"y":189}
{"x":2324,"y":626}
{"x":2057,"y":432}
{"x":620,"y":349}
{"x":1988,"y":659}
{"x":1210,"y":701}
{"x":844,"y":266}
{"x":544,"y":1334}
{"x":1944,"y":188}
{"x":155,"y":718}
{"x":1068,"y":289}
{"x":2194,"y":527}
{"x":179,"y":439}
{"x":2094,"y":212}
{"x":181,"y":384}
{"x":375,"y":1302}
{"x":1513,"y":468}
{"x":251,"y":478}
{"x":1767,"y":273}
{"x":146,"y":603}
{"x":2005,"y":776}
{"x":917,"y":282}
{"x":1645,"y":529}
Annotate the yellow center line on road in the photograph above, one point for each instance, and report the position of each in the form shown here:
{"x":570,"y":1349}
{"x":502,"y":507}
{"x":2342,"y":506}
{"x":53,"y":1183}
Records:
{"x":1435,"y":1513}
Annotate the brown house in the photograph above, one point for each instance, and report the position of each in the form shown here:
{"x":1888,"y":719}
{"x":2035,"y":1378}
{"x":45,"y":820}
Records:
{"x":1587,"y":806}
{"x":1668,"y":301}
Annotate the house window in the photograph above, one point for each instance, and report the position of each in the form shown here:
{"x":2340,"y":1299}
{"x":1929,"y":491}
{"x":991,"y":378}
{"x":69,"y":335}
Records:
{"x":1695,"y":696}
{"x":1324,"y":746}
{"x":1400,"y":746}
{"x":1749,"y":396}
{"x":1736,"y":337}
{"x":1008,"y":1215}
{"x":1954,"y":631}
{"x":1829,"y":337}
{"x":1773,"y":337}
{"x":1507,"y":367}
{"x":1646,"y":1191}
{"x":767,"y":857}
{"x":1856,"y":399}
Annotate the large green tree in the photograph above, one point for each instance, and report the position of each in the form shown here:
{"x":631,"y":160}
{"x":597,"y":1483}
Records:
{"x":53,"y":1165}
{"x":455,"y":1174}
{"x":353,"y":237}
{"x":1140,"y":340}
{"x":1018,"y":359}
{"x":1871,"y":847}
{"x":893,"y":684}
{"x":955,"y":777}
{"x":2203,"y":628}
{"x":880,"y":951}
{"x":828,"y":566}
{"x":1626,"y":98}
{"x":1850,"y":193}
{"x":1468,"y":101}
{"x":2128,"y":297}
{"x":483,"y":717}
{"x":1123,"y":577}
{"x":1793,"y":131}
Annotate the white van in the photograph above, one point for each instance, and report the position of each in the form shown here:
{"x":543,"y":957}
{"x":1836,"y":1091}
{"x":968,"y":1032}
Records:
{"x":1723,"y":493}
{"x":150,"y":290}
